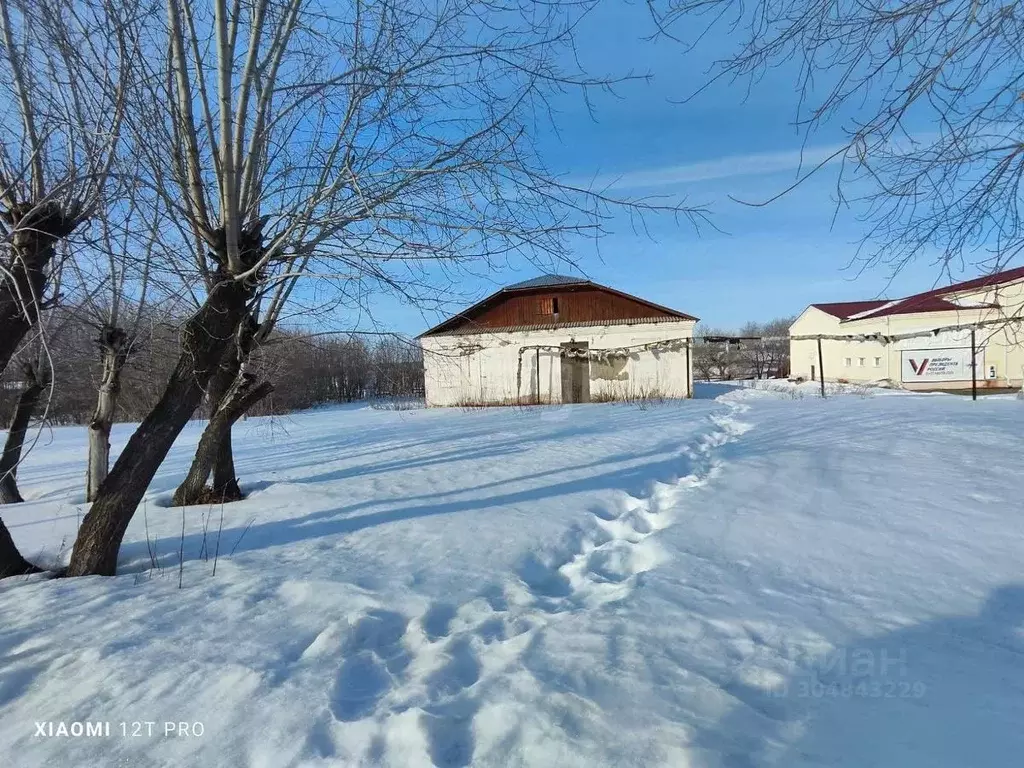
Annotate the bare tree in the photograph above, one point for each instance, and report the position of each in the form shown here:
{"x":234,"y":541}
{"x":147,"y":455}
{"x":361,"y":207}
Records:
{"x":76,"y":367}
{"x":711,"y":355}
{"x":122,"y":267}
{"x":882,"y":68}
{"x":63,"y":67}
{"x":310,"y":369}
{"x":775,"y":342}
{"x":764,"y":348}
{"x":371,"y":138}
{"x":397,"y":368}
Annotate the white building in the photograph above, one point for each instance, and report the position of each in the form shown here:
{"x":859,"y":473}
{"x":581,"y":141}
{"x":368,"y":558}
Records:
{"x":932,"y":361}
{"x":557,"y":339}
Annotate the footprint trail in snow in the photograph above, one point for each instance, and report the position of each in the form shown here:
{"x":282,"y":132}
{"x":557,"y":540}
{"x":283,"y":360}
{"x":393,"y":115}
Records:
{"x":432,"y":667}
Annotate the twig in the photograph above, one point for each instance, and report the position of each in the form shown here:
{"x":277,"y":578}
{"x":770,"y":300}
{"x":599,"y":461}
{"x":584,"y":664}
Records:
{"x":216,"y":548}
{"x":247,"y":526}
{"x":181,"y":550}
{"x":153,"y":563}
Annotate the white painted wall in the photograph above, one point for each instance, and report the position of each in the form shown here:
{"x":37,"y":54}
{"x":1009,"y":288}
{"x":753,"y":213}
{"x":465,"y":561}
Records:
{"x":480,"y":368}
{"x":1001,"y":348}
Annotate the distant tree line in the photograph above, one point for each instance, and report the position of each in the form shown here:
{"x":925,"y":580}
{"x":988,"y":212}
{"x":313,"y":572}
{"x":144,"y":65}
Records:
{"x":306,"y":369}
{"x":755,"y":351}
{"x":309,"y":370}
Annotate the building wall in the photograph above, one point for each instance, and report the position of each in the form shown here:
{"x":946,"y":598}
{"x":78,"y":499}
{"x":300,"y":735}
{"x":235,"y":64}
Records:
{"x":481,"y":368}
{"x":1001,"y":346}
{"x":575,"y":305}
{"x":547,"y":305}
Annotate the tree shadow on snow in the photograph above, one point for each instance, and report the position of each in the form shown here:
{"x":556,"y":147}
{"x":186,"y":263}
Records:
{"x":947,"y":692}
{"x":344,"y":520}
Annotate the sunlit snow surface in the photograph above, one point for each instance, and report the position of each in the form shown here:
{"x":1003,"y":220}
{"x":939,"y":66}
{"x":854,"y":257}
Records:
{"x":753,"y":578}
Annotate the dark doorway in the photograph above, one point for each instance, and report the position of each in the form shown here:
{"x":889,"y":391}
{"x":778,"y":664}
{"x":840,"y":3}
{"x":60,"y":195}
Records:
{"x":575,"y":374}
{"x":813,"y":377}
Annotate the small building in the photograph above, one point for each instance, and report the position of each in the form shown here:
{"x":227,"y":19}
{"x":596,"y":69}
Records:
{"x":937,"y":360}
{"x":558,"y":339}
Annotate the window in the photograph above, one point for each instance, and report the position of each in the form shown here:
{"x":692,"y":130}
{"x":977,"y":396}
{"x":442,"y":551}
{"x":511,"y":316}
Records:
{"x":860,"y":362}
{"x":847,"y":362}
{"x":878,"y":362}
{"x":549,"y":306}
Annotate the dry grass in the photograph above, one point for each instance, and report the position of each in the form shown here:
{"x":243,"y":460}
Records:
{"x":210,"y":496}
{"x":398,"y":404}
{"x":643,"y":397}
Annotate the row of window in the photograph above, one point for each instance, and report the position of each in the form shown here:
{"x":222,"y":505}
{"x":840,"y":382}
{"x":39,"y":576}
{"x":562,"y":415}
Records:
{"x":861,"y":362}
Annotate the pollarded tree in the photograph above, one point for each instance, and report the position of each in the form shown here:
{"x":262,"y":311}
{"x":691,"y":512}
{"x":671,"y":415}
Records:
{"x":64,"y":67}
{"x":237,"y":385}
{"x":118,"y":288}
{"x":296,"y":139}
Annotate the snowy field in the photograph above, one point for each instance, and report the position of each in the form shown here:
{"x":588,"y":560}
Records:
{"x":753,"y":578}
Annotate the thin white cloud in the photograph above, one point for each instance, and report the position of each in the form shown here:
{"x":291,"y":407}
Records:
{"x":733,"y":166}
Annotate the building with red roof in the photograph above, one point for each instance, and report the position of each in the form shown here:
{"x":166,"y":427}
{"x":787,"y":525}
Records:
{"x":867,"y":341}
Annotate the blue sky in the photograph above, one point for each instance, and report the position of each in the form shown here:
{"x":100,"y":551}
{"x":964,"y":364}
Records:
{"x":766,"y":262}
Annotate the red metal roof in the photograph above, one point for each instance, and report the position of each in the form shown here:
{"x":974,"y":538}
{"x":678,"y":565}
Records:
{"x":998,"y":278}
{"x":910,"y":305}
{"x":927,"y":301}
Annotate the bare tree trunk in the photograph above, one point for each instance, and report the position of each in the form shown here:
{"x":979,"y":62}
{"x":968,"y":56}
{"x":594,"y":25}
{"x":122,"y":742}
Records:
{"x":224,"y":480}
{"x":222,"y":459}
{"x":242,"y":395}
{"x":207,"y":335}
{"x":113,"y":344}
{"x":37,"y":228}
{"x":11,"y":561}
{"x":23,"y":412}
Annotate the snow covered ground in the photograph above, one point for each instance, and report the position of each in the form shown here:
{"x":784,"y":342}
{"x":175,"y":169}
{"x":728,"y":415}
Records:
{"x":756,"y":578}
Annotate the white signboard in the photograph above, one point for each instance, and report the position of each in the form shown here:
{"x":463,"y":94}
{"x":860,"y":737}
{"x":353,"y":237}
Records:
{"x":924,"y":365}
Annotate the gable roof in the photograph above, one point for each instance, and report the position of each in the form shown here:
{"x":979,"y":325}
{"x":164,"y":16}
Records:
{"x":541,"y":282}
{"x":927,"y":301}
{"x":985,"y":281}
{"x":935,"y":301}
{"x":910,"y":305}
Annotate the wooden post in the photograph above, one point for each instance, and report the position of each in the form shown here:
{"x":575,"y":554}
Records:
{"x":689,"y":378}
{"x":538,"y":374}
{"x":974,"y":368}
{"x":821,"y":368}
{"x":519,"y":376}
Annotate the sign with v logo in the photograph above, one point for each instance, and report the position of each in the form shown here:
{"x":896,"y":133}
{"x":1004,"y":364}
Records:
{"x":928,"y":365}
